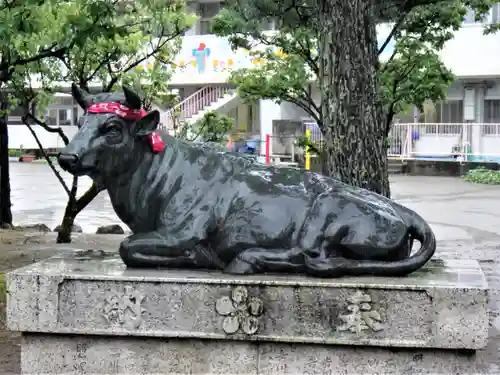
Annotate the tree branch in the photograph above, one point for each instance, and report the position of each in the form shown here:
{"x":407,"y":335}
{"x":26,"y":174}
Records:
{"x":101,"y":65}
{"x":42,"y":55}
{"x":48,"y":128}
{"x":153,"y":52}
{"x":309,"y":100}
{"x":308,"y":57}
{"x":390,"y":58}
{"x":87,"y":197}
{"x":385,"y":10}
{"x":305,"y":107}
{"x":391,"y":112}
{"x":42,"y":150}
{"x":393,"y":32}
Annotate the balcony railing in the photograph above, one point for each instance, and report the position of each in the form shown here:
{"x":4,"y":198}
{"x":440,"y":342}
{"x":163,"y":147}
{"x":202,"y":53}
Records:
{"x":175,"y":117}
{"x":452,"y":141}
{"x":460,"y":141}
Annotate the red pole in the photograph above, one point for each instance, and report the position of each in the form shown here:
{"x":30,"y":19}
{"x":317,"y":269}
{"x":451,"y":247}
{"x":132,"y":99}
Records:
{"x":268,"y":149}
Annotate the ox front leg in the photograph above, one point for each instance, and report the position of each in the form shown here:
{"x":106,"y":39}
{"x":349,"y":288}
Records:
{"x":156,"y":250}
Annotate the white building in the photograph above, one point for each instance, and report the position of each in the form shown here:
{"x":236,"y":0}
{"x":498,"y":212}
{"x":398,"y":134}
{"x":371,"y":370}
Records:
{"x":204,"y":63}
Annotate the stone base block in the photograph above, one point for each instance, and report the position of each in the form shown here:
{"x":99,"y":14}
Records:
{"x":52,"y":354}
{"x":92,"y":293}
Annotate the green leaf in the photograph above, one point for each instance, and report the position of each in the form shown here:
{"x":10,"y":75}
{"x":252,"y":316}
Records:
{"x":93,"y":43}
{"x":212,"y":127}
{"x":482,"y":175}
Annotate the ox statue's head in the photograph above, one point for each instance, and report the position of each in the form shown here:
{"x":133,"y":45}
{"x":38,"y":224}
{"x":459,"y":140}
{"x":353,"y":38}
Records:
{"x":114,"y":132}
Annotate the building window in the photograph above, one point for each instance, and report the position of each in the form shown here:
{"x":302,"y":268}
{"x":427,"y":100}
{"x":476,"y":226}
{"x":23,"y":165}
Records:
{"x":470,"y":18}
{"x":495,"y":13}
{"x":51,"y":117}
{"x":491,"y":116}
{"x":449,"y":113}
{"x":207,"y":11}
{"x":65,"y":116}
{"x":62,"y":112}
{"x":205,"y":27}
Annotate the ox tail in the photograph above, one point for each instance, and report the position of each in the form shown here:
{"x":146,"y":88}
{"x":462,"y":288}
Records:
{"x":423,"y":234}
{"x":418,"y":229}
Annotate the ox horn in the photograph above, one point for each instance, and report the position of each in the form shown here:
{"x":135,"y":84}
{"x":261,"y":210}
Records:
{"x":80,"y":96}
{"x":133,"y":100}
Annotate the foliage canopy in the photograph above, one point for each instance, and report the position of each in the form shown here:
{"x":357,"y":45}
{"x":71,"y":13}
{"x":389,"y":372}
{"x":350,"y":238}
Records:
{"x":409,"y":75}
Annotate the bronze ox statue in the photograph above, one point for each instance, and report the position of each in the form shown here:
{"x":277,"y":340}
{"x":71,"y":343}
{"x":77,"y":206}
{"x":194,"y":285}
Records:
{"x":191,"y":206}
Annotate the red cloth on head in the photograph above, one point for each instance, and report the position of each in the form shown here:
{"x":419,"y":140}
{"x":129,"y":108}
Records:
{"x":154,"y":139}
{"x":120,"y":110}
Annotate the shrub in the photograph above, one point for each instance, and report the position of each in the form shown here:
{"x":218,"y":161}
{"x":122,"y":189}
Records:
{"x":482,"y":175}
{"x":14,"y":152}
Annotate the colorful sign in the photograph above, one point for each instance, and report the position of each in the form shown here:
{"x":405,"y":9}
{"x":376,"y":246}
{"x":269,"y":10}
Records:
{"x":210,"y":59}
{"x":201,"y":54}
{"x":209,"y":54}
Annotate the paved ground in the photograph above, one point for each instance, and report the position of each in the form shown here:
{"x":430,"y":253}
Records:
{"x":464,"y":216}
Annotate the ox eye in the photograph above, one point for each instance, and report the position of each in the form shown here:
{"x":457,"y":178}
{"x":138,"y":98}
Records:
{"x":112,"y":129}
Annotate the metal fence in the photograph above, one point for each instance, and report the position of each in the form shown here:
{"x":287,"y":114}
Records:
{"x":461,"y":141}
{"x":453,"y":141}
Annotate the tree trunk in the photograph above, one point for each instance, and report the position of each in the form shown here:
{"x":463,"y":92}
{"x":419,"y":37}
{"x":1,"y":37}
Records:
{"x":73,"y":208}
{"x":5,"y":203}
{"x":64,"y":235}
{"x":354,"y":129}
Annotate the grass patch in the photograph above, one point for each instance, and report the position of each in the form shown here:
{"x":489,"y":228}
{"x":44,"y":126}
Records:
{"x":3,"y":288}
{"x":483,"y":175}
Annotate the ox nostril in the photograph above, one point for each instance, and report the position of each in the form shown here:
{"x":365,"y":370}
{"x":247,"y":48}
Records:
{"x":67,"y":161}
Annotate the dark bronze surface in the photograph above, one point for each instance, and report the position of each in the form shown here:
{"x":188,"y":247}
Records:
{"x":194,"y":207}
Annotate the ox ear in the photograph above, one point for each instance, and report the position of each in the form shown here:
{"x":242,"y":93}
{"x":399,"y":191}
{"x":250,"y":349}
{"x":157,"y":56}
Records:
{"x":81,"y":97}
{"x":147,"y":124}
{"x":133,"y":100}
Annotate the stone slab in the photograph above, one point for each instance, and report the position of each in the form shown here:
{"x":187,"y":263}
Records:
{"x":59,"y":354}
{"x":444,"y":305}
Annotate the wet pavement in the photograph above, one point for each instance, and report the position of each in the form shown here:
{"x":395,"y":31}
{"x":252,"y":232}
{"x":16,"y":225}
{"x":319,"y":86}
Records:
{"x":38,"y":197}
{"x":458,"y":211}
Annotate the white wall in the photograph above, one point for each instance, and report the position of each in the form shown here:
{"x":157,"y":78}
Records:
{"x":482,"y":144}
{"x":268,"y":111}
{"x":468,"y":54}
{"x":434,"y":145}
{"x":20,"y":136}
{"x":472,"y":54}
{"x":219,"y":59}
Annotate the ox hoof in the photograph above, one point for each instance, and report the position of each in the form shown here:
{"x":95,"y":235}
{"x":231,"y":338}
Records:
{"x":239,"y":267}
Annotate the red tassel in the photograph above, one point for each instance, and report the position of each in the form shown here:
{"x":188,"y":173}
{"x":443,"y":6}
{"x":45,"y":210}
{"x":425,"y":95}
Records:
{"x":156,"y":143}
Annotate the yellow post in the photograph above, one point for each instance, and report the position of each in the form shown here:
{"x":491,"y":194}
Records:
{"x":308,"y":155}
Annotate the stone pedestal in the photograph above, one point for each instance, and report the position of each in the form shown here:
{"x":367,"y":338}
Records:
{"x":87,"y":313}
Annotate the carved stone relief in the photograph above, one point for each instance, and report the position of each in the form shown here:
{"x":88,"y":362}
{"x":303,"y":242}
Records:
{"x":361,"y":317}
{"x":240,"y":311}
{"x":124,"y":309}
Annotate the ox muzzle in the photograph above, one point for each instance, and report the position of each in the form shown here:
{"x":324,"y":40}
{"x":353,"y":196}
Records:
{"x":68,"y":162}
